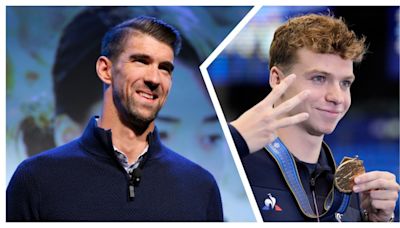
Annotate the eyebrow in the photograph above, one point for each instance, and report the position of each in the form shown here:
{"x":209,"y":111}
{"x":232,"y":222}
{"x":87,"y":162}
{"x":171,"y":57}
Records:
{"x":167,"y":64}
{"x":170,"y":67}
{"x":139,"y":56}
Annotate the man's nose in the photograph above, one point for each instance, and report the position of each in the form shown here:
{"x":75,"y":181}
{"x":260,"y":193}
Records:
{"x":335,"y":94}
{"x":152,"y":77}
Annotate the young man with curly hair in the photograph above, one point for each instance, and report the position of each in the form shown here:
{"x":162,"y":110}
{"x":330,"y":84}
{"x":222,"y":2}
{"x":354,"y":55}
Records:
{"x":292,"y":178}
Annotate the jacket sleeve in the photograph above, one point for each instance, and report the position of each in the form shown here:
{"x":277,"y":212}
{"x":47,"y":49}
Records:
{"x":214,"y":210}
{"x":22,"y":196}
{"x":240,"y":143}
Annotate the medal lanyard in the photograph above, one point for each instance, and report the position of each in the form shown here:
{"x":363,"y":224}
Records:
{"x":337,"y":202}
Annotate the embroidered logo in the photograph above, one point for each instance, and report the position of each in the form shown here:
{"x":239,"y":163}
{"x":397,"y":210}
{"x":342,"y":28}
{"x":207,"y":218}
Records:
{"x":270,"y":204}
{"x":276,"y":145}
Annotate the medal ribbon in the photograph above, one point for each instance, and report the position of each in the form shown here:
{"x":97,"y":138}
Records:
{"x":338,"y":201}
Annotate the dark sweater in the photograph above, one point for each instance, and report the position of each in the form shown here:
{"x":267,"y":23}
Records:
{"x":83,"y":181}
{"x":266,"y":180}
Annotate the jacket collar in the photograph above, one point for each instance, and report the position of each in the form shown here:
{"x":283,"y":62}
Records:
{"x":98,"y":141}
{"x":326,"y":161}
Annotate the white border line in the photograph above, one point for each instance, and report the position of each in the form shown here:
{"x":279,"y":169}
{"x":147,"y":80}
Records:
{"x":218,"y":109}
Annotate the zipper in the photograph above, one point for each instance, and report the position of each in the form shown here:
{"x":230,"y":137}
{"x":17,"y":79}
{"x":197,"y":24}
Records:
{"x":312,"y":184}
{"x":134,"y":179}
{"x":131,"y":186}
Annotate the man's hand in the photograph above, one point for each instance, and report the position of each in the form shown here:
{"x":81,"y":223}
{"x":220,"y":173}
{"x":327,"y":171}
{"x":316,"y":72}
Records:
{"x":258,"y":125}
{"x":379,"y":193}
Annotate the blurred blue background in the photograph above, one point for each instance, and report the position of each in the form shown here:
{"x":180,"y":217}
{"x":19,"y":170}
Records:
{"x":371,"y":127}
{"x":53,"y":89}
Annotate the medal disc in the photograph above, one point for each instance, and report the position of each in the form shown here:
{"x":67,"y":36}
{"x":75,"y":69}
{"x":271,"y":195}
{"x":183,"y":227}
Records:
{"x":348,"y":169}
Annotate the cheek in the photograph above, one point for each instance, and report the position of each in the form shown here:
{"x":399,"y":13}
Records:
{"x":166,"y":85}
{"x":119,"y":82}
{"x":348,"y":101}
{"x":315,"y":96}
{"x":317,"y":99}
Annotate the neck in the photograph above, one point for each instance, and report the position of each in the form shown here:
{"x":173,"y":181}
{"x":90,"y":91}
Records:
{"x":126,"y":139}
{"x":301,"y":144}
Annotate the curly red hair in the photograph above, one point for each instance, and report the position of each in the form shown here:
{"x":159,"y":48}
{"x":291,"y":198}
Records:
{"x":323,"y":34}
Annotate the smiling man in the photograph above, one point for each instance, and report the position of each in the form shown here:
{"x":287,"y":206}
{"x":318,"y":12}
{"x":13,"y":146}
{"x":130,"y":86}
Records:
{"x":292,"y":178}
{"x":118,"y":170}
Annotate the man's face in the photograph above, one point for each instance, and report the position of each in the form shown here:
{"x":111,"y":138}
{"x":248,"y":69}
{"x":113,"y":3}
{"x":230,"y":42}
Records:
{"x":328,"y":77}
{"x":141,"y":77}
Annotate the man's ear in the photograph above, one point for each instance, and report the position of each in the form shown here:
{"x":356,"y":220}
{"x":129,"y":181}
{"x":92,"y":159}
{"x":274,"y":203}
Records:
{"x":103,"y":69}
{"x":275,"y":76}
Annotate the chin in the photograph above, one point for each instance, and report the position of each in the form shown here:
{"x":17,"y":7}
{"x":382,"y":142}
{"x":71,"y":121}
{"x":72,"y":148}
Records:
{"x":320,"y":131}
{"x":149,"y":115}
{"x":146,"y":118}
{"x":328,"y":130}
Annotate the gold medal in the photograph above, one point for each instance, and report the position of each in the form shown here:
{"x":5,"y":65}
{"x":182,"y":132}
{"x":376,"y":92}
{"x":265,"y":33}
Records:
{"x":348,"y":169}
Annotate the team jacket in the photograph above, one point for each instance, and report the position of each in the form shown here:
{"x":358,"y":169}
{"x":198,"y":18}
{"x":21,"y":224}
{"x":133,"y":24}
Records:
{"x":273,"y":196}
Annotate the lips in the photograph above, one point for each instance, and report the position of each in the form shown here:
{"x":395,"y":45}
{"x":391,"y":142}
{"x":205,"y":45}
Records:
{"x":330,"y":113}
{"x":337,"y":112}
{"x":147,"y":95}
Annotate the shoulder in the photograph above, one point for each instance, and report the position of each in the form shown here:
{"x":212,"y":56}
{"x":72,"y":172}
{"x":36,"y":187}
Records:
{"x":239,"y":141}
{"x":44,"y":161}
{"x":259,"y":160}
{"x":41,"y":168}
{"x":261,"y":169}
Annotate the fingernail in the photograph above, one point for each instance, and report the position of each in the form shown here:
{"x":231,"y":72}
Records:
{"x":356,"y":189}
{"x":356,"y":180}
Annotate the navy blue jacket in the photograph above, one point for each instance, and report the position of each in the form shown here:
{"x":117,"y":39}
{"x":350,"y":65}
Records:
{"x":83,"y":181}
{"x":268,"y":184}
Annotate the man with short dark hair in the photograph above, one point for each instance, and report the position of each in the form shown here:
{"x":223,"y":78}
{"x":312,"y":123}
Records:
{"x":118,"y":170}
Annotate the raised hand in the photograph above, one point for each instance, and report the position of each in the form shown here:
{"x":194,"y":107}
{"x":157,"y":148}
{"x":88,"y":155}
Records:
{"x":258,"y":125}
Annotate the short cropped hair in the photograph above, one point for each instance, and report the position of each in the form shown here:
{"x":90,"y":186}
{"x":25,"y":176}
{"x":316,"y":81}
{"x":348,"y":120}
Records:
{"x":114,"y":40}
{"x":322,"y":34}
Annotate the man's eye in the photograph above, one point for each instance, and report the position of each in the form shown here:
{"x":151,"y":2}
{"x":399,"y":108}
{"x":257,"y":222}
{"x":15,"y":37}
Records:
{"x":319,"y":79}
{"x":143,"y":61}
{"x":166,"y":69}
{"x":347,"y":83}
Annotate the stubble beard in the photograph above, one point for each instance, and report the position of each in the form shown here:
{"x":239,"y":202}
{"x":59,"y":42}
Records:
{"x":129,"y":113}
